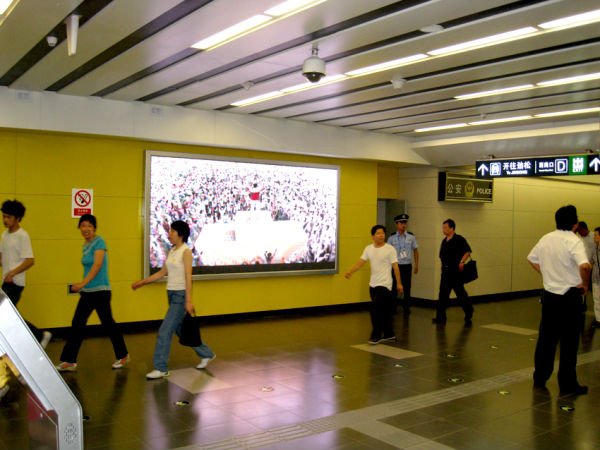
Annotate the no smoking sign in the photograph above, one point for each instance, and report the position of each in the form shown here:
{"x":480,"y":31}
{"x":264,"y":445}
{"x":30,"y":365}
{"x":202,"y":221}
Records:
{"x":82,"y":202}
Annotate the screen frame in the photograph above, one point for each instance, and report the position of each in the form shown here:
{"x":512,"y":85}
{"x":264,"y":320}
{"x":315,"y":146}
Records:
{"x":149,"y":154}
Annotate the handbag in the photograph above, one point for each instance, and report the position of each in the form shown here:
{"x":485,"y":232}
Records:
{"x":190,"y":332}
{"x":469,"y":272}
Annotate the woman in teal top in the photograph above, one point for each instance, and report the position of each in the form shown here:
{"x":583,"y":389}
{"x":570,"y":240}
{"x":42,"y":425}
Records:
{"x":95,"y":294}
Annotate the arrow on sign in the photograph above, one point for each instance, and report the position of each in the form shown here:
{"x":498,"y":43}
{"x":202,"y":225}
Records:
{"x":595,"y":163}
{"x":483,"y":169}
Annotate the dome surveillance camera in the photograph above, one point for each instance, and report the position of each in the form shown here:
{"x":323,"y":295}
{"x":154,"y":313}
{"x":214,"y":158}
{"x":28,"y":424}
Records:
{"x":313,"y":68}
{"x":51,"y":40}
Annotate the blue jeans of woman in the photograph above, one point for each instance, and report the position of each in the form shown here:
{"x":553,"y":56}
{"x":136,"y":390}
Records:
{"x":172,"y":324}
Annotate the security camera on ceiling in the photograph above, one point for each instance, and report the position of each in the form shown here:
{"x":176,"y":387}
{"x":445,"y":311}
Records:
{"x":313,"y":68}
{"x":52,"y":41}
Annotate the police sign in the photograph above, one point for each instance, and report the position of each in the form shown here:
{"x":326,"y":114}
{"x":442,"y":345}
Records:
{"x":587,"y":164}
{"x":464,"y":188}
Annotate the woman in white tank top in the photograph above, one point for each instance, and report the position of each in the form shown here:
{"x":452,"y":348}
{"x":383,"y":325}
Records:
{"x":178,"y":267}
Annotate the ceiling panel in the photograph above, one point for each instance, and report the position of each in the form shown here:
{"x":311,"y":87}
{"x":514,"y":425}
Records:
{"x":139,"y":50}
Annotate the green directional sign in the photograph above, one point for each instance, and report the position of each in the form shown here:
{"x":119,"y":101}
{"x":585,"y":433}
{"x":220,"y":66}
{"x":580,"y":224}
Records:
{"x":585,"y":164}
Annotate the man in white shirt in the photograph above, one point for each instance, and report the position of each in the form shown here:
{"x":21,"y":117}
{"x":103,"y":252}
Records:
{"x":562,"y":260}
{"x":596,"y":277}
{"x":383,"y":261}
{"x":16,"y":257}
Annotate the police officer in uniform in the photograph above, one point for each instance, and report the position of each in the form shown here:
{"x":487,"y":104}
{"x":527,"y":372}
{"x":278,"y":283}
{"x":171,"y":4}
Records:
{"x":406,"y":247}
{"x":561,"y":258}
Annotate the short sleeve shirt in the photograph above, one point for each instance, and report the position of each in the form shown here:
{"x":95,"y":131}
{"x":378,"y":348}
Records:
{"x":100,"y":281}
{"x":381,"y":260}
{"x":452,"y":251}
{"x":15,"y":248}
{"x":405,"y":245}
{"x":559,"y":255}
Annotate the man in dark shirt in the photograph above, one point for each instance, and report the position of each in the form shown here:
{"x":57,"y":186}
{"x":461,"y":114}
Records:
{"x":454,"y":253}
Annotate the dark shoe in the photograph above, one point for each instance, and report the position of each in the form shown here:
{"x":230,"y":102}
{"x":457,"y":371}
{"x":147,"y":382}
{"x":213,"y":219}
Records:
{"x":373,"y":340}
{"x":389,"y":338}
{"x":576,"y":390}
{"x":438,"y":321}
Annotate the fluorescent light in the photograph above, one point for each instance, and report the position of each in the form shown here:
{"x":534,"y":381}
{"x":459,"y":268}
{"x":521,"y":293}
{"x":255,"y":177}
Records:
{"x":289,"y":90}
{"x":291,"y":6}
{"x":576,"y":79}
{"x":441,"y":127}
{"x":4,"y":4}
{"x":506,"y":119}
{"x":255,"y":23}
{"x":484,"y":41}
{"x":572,"y":21}
{"x":522,"y":87}
{"x":305,"y":86}
{"x":386,"y":65}
{"x":568,"y":113}
{"x":258,"y":98}
{"x":232,"y":32}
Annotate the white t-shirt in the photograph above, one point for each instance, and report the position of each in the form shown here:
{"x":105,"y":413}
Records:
{"x":175,"y":269}
{"x":381,"y":259}
{"x":15,"y":248}
{"x":559,"y":255}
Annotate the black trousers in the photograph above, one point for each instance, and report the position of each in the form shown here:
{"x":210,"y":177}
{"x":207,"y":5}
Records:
{"x":88,"y":302}
{"x":382,"y":312}
{"x":13,"y":291}
{"x":451,"y":281}
{"x":560,"y":324}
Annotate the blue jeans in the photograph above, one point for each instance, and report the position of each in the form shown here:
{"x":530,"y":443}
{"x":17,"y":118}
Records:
{"x":172,"y":324}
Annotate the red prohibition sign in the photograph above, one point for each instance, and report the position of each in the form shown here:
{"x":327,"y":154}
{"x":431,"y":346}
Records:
{"x":82,"y":198}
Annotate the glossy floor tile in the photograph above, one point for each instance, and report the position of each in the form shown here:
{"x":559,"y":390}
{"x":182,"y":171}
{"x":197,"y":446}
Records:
{"x":314,"y":383}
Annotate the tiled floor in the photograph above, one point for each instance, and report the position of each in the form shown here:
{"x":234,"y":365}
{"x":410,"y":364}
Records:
{"x":312,"y":384}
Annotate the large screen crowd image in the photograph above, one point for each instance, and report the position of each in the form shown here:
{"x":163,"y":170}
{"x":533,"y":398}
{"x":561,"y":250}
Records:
{"x":245,"y":217}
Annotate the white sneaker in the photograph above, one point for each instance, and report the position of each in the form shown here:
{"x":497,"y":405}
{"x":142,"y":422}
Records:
{"x":156,"y":374}
{"x":204,"y":362}
{"x":120,"y":363}
{"x":66,"y":367}
{"x":46,"y":339}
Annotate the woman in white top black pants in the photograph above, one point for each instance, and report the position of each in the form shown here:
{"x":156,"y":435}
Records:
{"x":179,"y":292}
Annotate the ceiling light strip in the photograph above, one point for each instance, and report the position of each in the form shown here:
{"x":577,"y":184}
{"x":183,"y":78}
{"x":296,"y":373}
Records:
{"x":255,"y":23}
{"x":525,"y":87}
{"x":484,"y":41}
{"x":507,"y":90}
{"x":568,"y":113}
{"x":386,"y":65}
{"x":572,"y":21}
{"x":509,"y":119}
{"x":442,"y":127}
{"x":505,"y":119}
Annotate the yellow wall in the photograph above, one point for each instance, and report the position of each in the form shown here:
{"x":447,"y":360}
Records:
{"x":40,"y":169}
{"x":387,"y":182}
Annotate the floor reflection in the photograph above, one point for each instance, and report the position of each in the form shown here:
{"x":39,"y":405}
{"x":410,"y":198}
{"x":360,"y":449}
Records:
{"x":314,"y":383}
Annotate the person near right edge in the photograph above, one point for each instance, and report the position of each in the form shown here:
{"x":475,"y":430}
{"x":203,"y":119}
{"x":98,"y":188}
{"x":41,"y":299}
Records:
{"x":454,"y":253}
{"x":561,"y":258}
{"x":596,"y":277}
